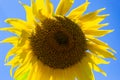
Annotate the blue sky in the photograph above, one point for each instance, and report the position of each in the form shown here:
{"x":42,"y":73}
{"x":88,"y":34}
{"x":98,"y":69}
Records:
{"x":12,"y":9}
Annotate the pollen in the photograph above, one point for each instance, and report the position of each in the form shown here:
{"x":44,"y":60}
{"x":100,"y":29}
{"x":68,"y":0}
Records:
{"x":58,"y":42}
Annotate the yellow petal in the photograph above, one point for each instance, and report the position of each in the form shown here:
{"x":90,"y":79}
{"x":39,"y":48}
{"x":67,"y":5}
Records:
{"x":11,"y":53}
{"x":69,"y":72}
{"x":32,"y":75}
{"x":41,"y":16}
{"x":94,"y":20}
{"x":28,"y":58}
{"x":78,"y":73}
{"x":96,"y":68}
{"x":38,"y":71}
{"x":24,"y":67}
{"x":11,"y":70}
{"x":23,"y":76}
{"x":64,"y":7}
{"x":100,"y":50}
{"x":34,"y":8}
{"x":29,"y":14}
{"x":46,"y":73}
{"x":14,"y":63}
{"x":21,"y":70}
{"x":40,"y":4}
{"x":85,"y":70}
{"x":42,"y":10}
{"x":77,"y":12}
{"x":50,"y":7}
{"x":11,"y":29}
{"x":99,"y":26}
{"x":23,"y":38}
{"x":13,"y":40}
{"x":97,"y":33}
{"x":58,"y":74}
{"x":96,"y":59}
{"x":19,"y":24}
{"x":99,"y":42}
{"x":96,"y":26}
{"x":91,"y":16}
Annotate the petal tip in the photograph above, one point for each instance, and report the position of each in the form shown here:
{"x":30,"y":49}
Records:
{"x":114,"y":58}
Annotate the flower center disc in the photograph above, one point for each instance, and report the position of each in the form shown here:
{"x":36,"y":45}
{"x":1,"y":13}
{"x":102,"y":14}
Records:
{"x":58,"y":42}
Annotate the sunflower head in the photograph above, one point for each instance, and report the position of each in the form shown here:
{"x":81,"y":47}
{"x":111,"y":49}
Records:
{"x":54,"y":46}
{"x":62,"y":42}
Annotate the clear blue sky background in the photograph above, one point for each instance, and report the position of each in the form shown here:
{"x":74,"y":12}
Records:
{"x":12,"y":9}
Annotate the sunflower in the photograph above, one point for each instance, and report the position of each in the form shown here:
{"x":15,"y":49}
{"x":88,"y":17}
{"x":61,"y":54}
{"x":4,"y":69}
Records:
{"x":57,"y":45}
